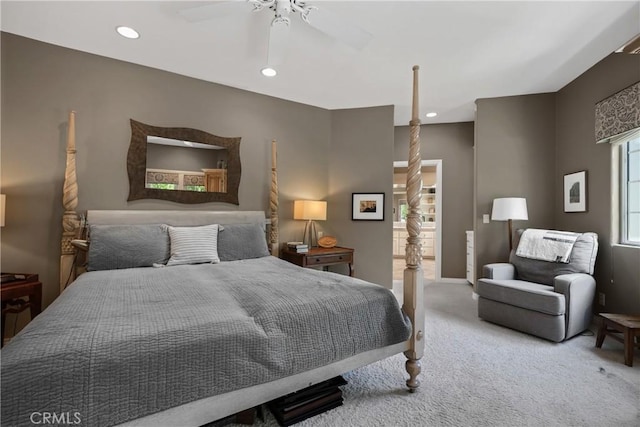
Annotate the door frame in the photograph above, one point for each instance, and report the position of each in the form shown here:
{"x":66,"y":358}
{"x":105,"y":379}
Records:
{"x":438,"y":165}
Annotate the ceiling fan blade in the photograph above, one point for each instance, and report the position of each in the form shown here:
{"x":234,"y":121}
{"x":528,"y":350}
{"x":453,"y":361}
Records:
{"x":278,"y":41}
{"x":339,"y":28}
{"x":217,"y":9}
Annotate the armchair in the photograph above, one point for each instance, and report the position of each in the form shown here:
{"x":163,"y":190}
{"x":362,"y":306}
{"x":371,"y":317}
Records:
{"x":548,"y":299}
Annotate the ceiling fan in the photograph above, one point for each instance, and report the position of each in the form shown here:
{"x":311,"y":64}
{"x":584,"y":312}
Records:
{"x":330,"y":24}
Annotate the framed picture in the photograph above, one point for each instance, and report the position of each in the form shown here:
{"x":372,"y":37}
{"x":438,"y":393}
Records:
{"x":367,"y":206}
{"x":575,"y":192}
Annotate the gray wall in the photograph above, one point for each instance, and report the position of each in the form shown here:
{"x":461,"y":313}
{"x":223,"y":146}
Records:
{"x":617,"y":267}
{"x":515,"y":157}
{"x":42,"y":82}
{"x":361,"y":161}
{"x":453,"y":144}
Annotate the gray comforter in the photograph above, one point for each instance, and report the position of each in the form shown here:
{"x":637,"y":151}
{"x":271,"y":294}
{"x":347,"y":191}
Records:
{"x":121,"y":344}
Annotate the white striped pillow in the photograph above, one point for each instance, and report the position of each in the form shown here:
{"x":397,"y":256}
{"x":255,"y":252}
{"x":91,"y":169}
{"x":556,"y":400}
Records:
{"x":194,"y":245}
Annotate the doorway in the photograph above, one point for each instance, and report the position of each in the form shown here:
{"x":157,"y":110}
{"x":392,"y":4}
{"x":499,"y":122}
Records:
{"x":431,"y":211}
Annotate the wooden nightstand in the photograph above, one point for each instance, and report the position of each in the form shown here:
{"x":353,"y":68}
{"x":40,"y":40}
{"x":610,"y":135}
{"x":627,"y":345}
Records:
{"x":12,"y":293}
{"x":323,"y":257}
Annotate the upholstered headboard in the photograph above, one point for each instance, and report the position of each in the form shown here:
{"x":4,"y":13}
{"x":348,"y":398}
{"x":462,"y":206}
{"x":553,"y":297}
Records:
{"x":175,"y":218}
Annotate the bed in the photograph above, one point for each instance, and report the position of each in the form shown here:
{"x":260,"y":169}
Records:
{"x":157,"y":336}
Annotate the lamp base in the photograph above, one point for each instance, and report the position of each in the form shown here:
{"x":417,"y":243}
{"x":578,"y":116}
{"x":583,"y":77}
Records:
{"x":312,"y":232}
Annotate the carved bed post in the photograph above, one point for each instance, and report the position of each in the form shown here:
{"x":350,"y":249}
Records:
{"x":70,"y":220}
{"x":273,"y":203}
{"x":413,"y":275}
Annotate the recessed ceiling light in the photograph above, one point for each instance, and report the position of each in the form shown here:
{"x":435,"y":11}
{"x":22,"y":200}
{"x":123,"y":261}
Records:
{"x":432,"y":114}
{"x":268,"y":72}
{"x":127,"y":32}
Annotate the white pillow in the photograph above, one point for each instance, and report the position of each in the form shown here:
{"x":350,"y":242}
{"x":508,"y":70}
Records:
{"x":194,"y":245}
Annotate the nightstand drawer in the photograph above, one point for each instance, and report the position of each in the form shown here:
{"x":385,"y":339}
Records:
{"x":329,"y":259}
{"x":321,"y":257}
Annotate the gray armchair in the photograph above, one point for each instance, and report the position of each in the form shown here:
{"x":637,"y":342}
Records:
{"x":547,"y":299}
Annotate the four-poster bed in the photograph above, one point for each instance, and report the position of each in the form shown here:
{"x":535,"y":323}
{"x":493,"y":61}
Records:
{"x":383,"y":333}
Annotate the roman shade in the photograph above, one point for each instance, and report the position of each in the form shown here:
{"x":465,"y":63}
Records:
{"x":618,"y":116}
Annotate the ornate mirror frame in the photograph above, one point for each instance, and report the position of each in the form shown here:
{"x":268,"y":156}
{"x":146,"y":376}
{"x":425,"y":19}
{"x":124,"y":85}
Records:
{"x":137,"y":164}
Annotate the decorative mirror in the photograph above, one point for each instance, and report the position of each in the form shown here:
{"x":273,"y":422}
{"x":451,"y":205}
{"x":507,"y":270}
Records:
{"x":182,"y":165}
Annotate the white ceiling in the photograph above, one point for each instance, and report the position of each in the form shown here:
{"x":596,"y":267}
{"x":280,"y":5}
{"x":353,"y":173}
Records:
{"x":466,"y":50}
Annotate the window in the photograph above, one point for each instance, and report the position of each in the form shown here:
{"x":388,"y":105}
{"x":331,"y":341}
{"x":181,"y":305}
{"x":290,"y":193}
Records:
{"x":404,"y":210}
{"x":630,"y":191}
{"x":162,"y":186}
{"x":199,"y":188}
{"x":165,"y":179}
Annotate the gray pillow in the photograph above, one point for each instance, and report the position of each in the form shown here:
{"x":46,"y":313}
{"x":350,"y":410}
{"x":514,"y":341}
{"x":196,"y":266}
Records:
{"x":113,"y":247}
{"x":581,"y":260}
{"x":241,"y":241}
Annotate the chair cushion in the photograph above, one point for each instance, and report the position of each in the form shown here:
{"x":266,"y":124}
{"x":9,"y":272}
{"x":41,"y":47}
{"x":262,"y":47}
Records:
{"x":581,"y":260}
{"x":519,"y":293}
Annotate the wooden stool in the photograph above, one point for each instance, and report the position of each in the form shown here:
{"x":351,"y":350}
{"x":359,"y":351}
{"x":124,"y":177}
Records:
{"x":627,"y":325}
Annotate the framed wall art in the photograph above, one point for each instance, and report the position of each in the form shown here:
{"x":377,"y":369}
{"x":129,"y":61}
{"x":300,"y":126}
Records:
{"x":575,"y":192}
{"x":367,"y":206}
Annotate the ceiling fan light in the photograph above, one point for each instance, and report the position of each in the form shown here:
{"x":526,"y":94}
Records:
{"x":127,"y":32}
{"x":432,"y":114}
{"x":268,"y":72}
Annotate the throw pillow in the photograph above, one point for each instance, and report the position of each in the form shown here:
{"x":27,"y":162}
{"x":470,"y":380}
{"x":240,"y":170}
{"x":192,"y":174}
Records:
{"x":194,"y":245}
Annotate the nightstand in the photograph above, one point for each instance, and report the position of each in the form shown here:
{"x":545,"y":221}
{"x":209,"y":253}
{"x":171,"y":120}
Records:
{"x":322,"y":257}
{"x":13,"y":291}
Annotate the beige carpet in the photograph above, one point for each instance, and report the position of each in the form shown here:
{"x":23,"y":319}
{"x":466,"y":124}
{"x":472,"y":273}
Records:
{"x":475,"y":373}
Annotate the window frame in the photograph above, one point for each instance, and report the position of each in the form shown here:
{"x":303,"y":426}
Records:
{"x":625,"y":151}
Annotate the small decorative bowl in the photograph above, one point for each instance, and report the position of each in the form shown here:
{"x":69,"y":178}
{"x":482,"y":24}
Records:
{"x":327,"y":242}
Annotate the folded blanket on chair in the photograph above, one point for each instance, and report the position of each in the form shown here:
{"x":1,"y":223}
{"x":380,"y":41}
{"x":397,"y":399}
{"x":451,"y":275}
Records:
{"x":546,"y":245}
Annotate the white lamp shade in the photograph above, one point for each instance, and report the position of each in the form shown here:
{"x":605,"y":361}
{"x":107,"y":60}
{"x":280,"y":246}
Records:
{"x":315,"y":210}
{"x":3,"y":199}
{"x":508,"y":208}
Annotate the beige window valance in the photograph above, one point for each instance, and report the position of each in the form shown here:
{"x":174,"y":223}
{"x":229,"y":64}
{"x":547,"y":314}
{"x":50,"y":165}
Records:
{"x":618,"y":115}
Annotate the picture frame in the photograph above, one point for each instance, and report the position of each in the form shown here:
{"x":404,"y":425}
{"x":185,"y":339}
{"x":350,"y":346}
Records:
{"x":575,"y":192}
{"x":367,"y":206}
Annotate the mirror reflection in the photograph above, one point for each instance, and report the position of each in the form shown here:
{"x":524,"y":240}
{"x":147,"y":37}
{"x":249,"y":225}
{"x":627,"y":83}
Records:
{"x":182,"y":165}
{"x":174,"y":164}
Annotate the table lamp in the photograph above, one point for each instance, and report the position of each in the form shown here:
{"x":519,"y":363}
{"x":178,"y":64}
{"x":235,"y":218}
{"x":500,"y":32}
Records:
{"x":508,"y":209}
{"x":310,"y":210}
